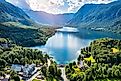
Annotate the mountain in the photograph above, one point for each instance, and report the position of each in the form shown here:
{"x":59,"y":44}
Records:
{"x":43,"y":17}
{"x":17,"y":26}
{"x":98,"y":16}
{"x":9,"y":12}
{"x":50,"y":19}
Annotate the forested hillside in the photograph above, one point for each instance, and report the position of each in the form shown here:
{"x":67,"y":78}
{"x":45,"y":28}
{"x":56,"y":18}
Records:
{"x":26,"y":36}
{"x":100,"y":61}
{"x":11,"y":54}
{"x":93,"y":16}
{"x":9,"y":12}
{"x":16,"y":25}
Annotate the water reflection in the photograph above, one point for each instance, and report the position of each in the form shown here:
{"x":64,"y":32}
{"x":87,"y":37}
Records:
{"x":63,"y":46}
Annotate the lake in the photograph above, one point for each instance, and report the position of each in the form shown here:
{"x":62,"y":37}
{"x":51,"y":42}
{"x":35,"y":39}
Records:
{"x":64,"y":46}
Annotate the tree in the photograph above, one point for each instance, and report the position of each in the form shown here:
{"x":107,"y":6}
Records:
{"x":79,"y":58}
{"x":16,"y":78}
{"x":3,"y":63}
{"x":1,"y":51}
{"x":117,"y":73}
{"x":52,"y":69}
{"x":24,"y":61}
{"x":12,"y":73}
{"x":44,"y":70}
{"x":16,"y":61}
{"x":59,"y":72}
{"x":46,"y":56}
{"x":2,"y":74}
{"x":70,"y":65}
{"x":74,"y":63}
{"x":9,"y":61}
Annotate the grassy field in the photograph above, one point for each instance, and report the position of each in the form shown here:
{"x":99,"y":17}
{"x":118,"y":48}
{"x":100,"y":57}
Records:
{"x":90,"y":59}
{"x":36,"y":80}
{"x":114,"y":50}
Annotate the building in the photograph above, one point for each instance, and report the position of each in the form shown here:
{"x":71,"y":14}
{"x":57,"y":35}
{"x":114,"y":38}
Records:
{"x":26,"y":70}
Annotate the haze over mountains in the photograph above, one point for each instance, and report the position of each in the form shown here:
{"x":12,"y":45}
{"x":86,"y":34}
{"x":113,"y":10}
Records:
{"x":106,"y":16}
{"x":31,"y":7}
{"x":17,"y":26}
{"x":50,"y":19}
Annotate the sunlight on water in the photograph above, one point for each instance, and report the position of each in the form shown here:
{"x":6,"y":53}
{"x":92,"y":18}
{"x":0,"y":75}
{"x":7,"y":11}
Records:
{"x":65,"y":46}
{"x":68,"y":29}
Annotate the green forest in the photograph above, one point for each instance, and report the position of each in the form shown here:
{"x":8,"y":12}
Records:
{"x":101,"y":61}
{"x":11,"y":53}
{"x":60,"y":40}
{"x":25,"y":35}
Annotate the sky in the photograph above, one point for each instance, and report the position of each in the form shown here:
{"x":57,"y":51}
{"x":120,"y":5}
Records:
{"x":55,"y":6}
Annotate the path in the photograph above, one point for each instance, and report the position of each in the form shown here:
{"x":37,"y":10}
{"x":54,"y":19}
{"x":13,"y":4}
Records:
{"x":63,"y":74}
{"x":34,"y":76}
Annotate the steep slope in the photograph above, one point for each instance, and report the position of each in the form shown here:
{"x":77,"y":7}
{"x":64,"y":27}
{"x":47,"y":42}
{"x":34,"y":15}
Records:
{"x":17,"y":26}
{"x":51,"y":19}
{"x":42,"y":17}
{"x":9,"y":12}
{"x":97,"y":15}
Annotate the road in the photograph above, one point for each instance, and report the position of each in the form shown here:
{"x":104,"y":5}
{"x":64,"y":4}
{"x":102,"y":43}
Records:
{"x":62,"y":69}
{"x":34,"y":76}
{"x":63,"y":74}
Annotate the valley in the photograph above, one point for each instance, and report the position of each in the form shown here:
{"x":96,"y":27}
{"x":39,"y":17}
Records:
{"x":79,"y":45}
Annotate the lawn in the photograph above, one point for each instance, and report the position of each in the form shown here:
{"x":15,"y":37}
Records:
{"x":36,"y":80}
{"x":90,"y":59}
{"x":115,"y":50}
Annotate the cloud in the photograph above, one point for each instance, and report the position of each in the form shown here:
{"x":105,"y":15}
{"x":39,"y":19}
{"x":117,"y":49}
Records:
{"x":74,"y":5}
{"x":20,"y":3}
{"x":55,"y":6}
{"x":57,"y":2}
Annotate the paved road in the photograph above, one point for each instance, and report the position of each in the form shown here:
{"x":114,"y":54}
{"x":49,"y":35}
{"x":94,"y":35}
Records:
{"x":63,"y":74}
{"x":33,"y":77}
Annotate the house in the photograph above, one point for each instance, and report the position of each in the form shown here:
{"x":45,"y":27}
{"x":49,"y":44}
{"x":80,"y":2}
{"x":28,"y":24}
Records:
{"x":16,"y":67}
{"x":26,"y":70}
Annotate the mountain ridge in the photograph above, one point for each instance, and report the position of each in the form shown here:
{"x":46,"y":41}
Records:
{"x":97,"y":15}
{"x":48,"y":18}
{"x":12,"y":13}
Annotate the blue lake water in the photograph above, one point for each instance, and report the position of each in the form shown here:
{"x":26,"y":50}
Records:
{"x":66,"y":43}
